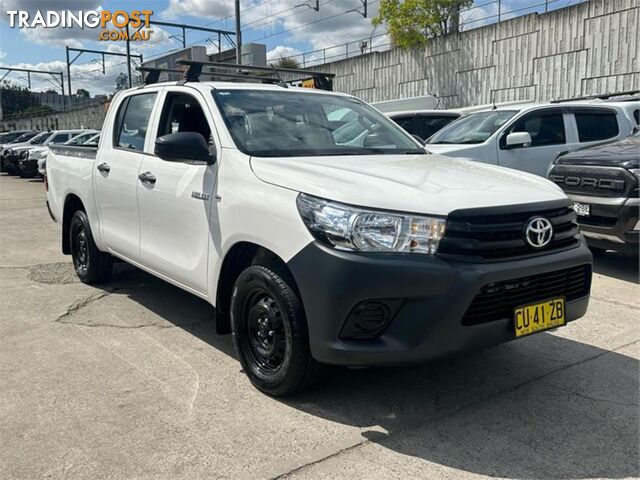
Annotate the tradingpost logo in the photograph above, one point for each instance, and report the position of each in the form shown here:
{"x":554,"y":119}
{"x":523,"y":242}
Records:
{"x":112,"y":24}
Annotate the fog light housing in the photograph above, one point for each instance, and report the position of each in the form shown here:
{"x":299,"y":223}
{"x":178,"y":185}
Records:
{"x":369,"y":319}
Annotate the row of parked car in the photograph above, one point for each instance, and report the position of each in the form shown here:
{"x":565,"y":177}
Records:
{"x":590,"y":148}
{"x":24,"y":152}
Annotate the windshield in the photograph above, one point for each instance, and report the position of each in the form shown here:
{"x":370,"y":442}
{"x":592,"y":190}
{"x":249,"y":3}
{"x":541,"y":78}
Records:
{"x":24,"y":137}
{"x":289,"y":123}
{"x":40,"y":138}
{"x":474,"y":128}
{"x":81,"y":139}
{"x":9,"y":137}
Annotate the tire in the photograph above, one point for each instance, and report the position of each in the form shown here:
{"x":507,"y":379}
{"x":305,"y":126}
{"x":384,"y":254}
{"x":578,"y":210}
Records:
{"x":270,"y":333}
{"x":91,"y":265}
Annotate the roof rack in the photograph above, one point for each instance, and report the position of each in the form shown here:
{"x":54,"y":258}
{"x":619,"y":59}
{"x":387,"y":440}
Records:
{"x":292,"y":76}
{"x":604,"y":96}
{"x":153,"y":75}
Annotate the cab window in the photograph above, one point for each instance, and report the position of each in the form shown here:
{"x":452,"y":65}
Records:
{"x":183,"y":113}
{"x":132,"y":121}
{"x":594,"y":126}
{"x":545,"y":128}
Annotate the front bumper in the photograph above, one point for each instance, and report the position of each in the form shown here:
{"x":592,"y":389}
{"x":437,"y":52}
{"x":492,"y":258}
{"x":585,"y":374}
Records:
{"x":28,"y":167}
{"x":10,"y":163}
{"x":611,"y":223}
{"x":434,"y":294}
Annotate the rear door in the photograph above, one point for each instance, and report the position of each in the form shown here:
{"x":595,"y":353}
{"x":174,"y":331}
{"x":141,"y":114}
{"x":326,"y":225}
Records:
{"x":116,"y":178}
{"x":550,"y":131}
{"x":175,"y":206}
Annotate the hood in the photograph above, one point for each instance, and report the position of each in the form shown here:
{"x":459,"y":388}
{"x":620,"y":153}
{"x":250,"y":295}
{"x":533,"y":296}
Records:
{"x":428,"y":184}
{"x":622,"y":153}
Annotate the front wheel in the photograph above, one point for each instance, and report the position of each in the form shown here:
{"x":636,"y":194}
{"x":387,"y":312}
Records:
{"x":91,"y":265}
{"x":270,"y":332}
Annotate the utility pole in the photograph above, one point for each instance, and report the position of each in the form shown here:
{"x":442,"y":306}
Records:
{"x":238,"y":34}
{"x":129,"y":58}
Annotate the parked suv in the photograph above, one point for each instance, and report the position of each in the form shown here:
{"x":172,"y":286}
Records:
{"x":10,"y":139}
{"x":603,"y":183}
{"x":313,"y":250}
{"x":19,"y":153}
{"x":529,"y":138}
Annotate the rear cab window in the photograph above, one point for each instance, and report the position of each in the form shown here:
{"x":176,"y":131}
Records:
{"x":596,"y":124}
{"x":132,"y":121}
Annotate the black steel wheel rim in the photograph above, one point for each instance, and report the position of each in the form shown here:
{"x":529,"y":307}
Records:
{"x":80,"y":244}
{"x":266,"y":339}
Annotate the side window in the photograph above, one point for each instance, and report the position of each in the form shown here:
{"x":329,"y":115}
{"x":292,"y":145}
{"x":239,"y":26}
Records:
{"x":406,"y":123}
{"x":636,"y":115}
{"x":594,"y":126}
{"x":60,"y":138}
{"x":132,"y":121}
{"x":183,"y":113}
{"x":545,"y":128}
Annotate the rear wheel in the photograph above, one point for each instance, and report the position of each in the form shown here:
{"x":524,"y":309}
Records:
{"x":91,"y":265}
{"x":270,"y":332}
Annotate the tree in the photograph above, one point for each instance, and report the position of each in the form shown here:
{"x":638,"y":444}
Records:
{"x":16,"y":99}
{"x":82,"y":93}
{"x":122,"y":81}
{"x":411,"y":22}
{"x":286,"y":62}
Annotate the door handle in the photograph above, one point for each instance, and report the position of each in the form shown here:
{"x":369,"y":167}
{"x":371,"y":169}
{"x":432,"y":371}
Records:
{"x":147,"y":177}
{"x":104,"y":167}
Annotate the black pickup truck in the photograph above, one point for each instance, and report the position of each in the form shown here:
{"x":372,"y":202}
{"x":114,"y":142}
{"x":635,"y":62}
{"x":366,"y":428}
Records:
{"x":603,"y":183}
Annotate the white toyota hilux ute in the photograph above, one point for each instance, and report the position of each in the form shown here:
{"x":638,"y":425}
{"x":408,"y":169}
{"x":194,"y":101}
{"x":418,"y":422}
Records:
{"x":359,"y":252}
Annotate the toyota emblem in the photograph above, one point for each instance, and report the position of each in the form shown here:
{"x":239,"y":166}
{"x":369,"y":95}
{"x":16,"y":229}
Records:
{"x":538,"y":232}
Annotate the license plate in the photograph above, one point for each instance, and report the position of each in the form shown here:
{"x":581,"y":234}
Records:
{"x":537,"y":317}
{"x":581,"y":209}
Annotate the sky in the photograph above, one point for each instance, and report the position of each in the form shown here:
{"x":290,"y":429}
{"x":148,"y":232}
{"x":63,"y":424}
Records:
{"x":287,"y":27}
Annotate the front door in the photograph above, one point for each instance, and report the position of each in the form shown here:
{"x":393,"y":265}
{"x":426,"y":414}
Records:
{"x":548,"y":129}
{"x":175,"y":199}
{"x":116,"y":179}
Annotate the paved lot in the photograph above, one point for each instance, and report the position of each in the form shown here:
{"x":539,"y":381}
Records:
{"x":130,"y":381}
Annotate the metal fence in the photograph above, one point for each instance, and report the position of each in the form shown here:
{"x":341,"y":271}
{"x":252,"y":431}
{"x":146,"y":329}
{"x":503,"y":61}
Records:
{"x":476,"y":16}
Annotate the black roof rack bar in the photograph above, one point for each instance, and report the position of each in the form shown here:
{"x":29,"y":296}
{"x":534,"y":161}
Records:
{"x":255,"y":68}
{"x":154,"y":75}
{"x":604,"y":96}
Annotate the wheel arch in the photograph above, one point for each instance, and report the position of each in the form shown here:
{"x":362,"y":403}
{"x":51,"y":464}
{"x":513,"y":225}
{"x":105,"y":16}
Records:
{"x":240,"y":256}
{"x":72,"y":203}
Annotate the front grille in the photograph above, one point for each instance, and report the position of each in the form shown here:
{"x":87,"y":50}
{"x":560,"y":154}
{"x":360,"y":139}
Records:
{"x":491,"y":234}
{"x":496,"y":301}
{"x":593,"y":181}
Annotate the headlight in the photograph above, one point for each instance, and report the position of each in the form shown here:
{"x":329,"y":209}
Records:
{"x":24,"y":153}
{"x":39,"y":155}
{"x":351,"y":228}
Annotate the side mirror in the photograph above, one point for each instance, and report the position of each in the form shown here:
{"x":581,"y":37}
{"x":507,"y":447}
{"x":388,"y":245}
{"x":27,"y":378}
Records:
{"x":181,"y":146}
{"x":518,"y":139}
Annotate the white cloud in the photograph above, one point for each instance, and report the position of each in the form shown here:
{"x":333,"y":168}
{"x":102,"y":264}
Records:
{"x":214,"y":9}
{"x":2,"y":54}
{"x":282,"y":51}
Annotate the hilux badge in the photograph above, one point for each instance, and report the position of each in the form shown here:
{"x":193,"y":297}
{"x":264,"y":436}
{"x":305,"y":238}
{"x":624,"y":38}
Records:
{"x":538,"y":232}
{"x":200,"y":195}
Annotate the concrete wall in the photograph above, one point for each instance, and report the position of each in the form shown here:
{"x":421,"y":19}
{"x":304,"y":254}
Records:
{"x":588,"y":48}
{"x":88,"y":117}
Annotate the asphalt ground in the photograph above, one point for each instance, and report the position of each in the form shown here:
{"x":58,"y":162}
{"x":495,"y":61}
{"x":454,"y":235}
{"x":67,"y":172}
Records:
{"x":129,"y":380}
